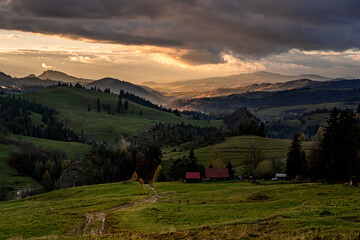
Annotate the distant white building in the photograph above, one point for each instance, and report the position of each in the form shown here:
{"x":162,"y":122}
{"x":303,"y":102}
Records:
{"x":280,"y":176}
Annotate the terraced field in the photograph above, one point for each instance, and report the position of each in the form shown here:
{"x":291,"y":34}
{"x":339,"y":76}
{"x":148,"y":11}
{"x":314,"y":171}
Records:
{"x":235,"y":149}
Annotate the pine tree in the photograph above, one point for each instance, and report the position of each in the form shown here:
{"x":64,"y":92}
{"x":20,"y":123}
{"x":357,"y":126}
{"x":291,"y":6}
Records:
{"x":98,"y":105}
{"x":229,"y":166}
{"x":295,"y":162}
{"x":126,"y":105}
{"x":120,"y":107}
{"x":262,"y":131}
{"x":122,"y":94}
{"x":340,"y":147}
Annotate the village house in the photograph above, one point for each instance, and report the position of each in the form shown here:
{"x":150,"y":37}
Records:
{"x":192,"y":176}
{"x":213,"y":174}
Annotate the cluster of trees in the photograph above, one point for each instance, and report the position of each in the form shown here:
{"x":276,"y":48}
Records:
{"x":251,"y":128}
{"x":106,"y":164}
{"x":121,"y":108}
{"x":44,"y":165}
{"x":175,"y":134}
{"x":188,"y":163}
{"x":335,"y":155}
{"x":255,"y":167}
{"x":142,"y":101}
{"x":15,"y":115}
{"x":53,"y":169}
{"x":283,"y":130}
{"x":198,"y":115}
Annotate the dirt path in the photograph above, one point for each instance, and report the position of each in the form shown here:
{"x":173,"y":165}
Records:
{"x":95,"y":222}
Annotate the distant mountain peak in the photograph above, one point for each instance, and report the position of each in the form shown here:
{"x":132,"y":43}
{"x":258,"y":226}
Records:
{"x":60,"y":76}
{"x":52,"y":73}
{"x":116,"y":85}
{"x":2,"y":74}
{"x":31,"y":76}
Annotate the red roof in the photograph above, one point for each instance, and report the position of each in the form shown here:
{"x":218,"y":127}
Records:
{"x":192,"y":175}
{"x":216,"y":173}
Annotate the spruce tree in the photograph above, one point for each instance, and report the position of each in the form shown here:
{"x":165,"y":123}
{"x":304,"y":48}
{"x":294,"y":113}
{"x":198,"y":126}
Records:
{"x":126,"y":105}
{"x":340,"y":147}
{"x":120,"y":107}
{"x":230,"y":170}
{"x":98,"y":105}
{"x":295,"y":162}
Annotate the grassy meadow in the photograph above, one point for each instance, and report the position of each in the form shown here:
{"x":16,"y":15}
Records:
{"x":72,"y":149}
{"x":218,"y":210}
{"x":72,"y":105}
{"x":62,"y":212}
{"x":235,"y":149}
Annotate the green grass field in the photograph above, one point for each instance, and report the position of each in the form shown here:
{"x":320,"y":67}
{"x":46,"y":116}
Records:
{"x":72,"y":149}
{"x":72,"y":104}
{"x":235,"y":149}
{"x":62,"y":212}
{"x":223,"y":210}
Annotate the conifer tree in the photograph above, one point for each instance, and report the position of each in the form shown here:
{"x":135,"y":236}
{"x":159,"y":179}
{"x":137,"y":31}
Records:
{"x":120,"y":107}
{"x":126,"y":105}
{"x":295,"y":162}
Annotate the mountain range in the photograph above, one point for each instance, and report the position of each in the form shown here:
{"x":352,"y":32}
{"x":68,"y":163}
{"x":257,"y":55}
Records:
{"x":341,"y":90}
{"x":51,"y":77}
{"x":229,"y":84}
{"x":209,"y":94}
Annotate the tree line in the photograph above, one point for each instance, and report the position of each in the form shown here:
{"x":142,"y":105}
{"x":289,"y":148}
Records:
{"x":175,"y":134}
{"x":54,"y":169}
{"x":335,"y":155}
{"x":15,"y":115}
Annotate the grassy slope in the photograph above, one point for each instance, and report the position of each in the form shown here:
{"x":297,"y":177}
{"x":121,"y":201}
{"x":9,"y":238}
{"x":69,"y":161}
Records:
{"x":235,"y":149}
{"x":62,"y":211}
{"x":72,"y":149}
{"x":207,"y":211}
{"x":290,"y":210}
{"x":72,"y":104}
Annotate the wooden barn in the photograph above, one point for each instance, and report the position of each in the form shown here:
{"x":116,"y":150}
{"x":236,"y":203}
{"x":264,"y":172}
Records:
{"x":217,"y":174}
{"x":192,"y":176}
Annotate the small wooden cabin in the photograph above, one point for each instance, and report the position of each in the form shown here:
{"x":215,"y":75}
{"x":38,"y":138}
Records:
{"x":217,"y":174}
{"x":192,"y":176}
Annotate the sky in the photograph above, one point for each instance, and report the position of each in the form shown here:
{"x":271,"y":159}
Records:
{"x":168,"y":40}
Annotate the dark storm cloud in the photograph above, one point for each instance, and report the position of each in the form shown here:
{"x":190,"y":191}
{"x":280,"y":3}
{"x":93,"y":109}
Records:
{"x":250,"y":28}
